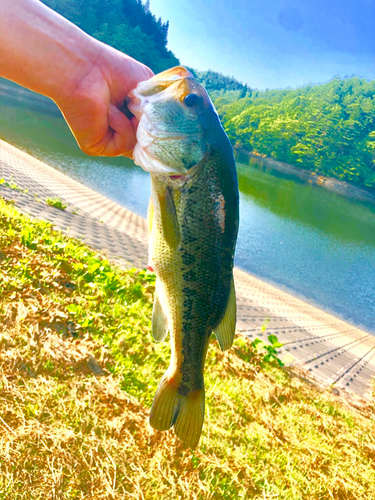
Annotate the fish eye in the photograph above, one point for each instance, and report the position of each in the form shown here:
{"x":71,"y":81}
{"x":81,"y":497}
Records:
{"x":191,"y":100}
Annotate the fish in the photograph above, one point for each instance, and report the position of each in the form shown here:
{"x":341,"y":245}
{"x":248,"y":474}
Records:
{"x":193,"y":219}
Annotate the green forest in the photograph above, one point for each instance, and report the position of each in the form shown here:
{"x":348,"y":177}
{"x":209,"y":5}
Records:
{"x":127,"y":25}
{"x":328,"y":128}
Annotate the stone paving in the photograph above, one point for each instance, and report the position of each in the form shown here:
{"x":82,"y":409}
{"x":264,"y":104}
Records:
{"x":333,"y":351}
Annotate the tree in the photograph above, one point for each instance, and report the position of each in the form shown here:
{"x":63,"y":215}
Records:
{"x":329,"y":128}
{"x":127,"y":25}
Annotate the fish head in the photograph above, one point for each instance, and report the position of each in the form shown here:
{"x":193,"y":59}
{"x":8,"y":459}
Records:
{"x":174,"y":113}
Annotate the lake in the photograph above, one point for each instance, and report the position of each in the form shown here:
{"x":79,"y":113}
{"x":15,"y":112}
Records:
{"x":302,"y":238}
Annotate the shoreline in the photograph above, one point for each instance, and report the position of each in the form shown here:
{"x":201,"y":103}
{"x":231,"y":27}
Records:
{"x":342,"y":188}
{"x":265,"y":163}
{"x":307,"y":300}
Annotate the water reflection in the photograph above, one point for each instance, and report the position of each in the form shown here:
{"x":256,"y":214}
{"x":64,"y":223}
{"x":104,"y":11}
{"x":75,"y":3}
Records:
{"x":311,"y":205}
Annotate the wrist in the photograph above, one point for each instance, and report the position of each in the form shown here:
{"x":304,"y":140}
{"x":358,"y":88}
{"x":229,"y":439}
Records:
{"x":80,"y":63}
{"x":98,"y":68}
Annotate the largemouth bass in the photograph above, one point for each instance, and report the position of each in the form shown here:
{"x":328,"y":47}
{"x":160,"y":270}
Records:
{"x":193,"y":222}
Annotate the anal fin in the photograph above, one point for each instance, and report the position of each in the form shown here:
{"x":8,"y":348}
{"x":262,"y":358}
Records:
{"x":226,"y":329}
{"x":159,"y":322}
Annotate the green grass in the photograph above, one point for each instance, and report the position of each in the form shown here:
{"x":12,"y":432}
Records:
{"x":13,"y":185}
{"x":78,"y":372}
{"x":57,"y":203}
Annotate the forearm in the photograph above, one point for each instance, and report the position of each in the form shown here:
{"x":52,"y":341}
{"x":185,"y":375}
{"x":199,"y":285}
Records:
{"x":41,"y":50}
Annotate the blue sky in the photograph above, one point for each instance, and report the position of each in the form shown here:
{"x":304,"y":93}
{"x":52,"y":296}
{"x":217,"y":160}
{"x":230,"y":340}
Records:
{"x":273,"y":43}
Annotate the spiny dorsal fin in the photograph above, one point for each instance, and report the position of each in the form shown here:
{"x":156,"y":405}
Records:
{"x":226,"y":329}
{"x":159,"y":321}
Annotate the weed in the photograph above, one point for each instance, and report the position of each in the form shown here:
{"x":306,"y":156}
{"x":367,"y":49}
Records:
{"x":57,"y":203}
{"x":13,"y":185}
{"x":268,"y":352}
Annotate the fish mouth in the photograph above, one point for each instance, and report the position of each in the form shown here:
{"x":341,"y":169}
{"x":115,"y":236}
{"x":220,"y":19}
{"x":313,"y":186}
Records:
{"x":151,"y":163}
{"x":176,"y":80}
{"x":172,"y":74}
{"x":156,"y":133}
{"x":138,"y":98}
{"x":160,"y":82}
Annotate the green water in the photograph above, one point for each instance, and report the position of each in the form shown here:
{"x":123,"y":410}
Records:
{"x":303,"y":238}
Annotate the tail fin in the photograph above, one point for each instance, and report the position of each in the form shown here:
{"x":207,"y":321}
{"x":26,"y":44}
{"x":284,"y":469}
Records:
{"x":189,"y":422}
{"x":186,"y":413}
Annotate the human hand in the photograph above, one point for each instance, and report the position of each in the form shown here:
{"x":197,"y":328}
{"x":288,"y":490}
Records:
{"x":87,"y":79}
{"x":92,"y":105}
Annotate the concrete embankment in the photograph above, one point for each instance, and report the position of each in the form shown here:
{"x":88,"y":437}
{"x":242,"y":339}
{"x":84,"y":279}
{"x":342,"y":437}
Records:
{"x":340,"y":187}
{"x":333,"y":351}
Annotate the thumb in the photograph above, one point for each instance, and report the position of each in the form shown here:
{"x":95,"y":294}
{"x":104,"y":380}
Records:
{"x":123,"y":138}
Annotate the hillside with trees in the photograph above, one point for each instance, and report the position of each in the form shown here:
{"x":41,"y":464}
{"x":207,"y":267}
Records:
{"x":328,"y":128}
{"x":127,"y":25}
{"x":214,"y":81}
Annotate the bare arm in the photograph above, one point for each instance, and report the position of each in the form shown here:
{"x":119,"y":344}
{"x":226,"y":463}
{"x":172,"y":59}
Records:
{"x":87,"y":79}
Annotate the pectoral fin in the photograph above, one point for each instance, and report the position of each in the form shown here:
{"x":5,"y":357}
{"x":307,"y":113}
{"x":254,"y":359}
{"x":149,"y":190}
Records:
{"x":159,"y":321}
{"x":226,"y":329}
{"x":171,"y":230}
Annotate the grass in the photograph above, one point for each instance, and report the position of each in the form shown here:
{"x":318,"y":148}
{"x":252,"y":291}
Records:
{"x":57,"y":203}
{"x":13,"y":185}
{"x":78,"y":372}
